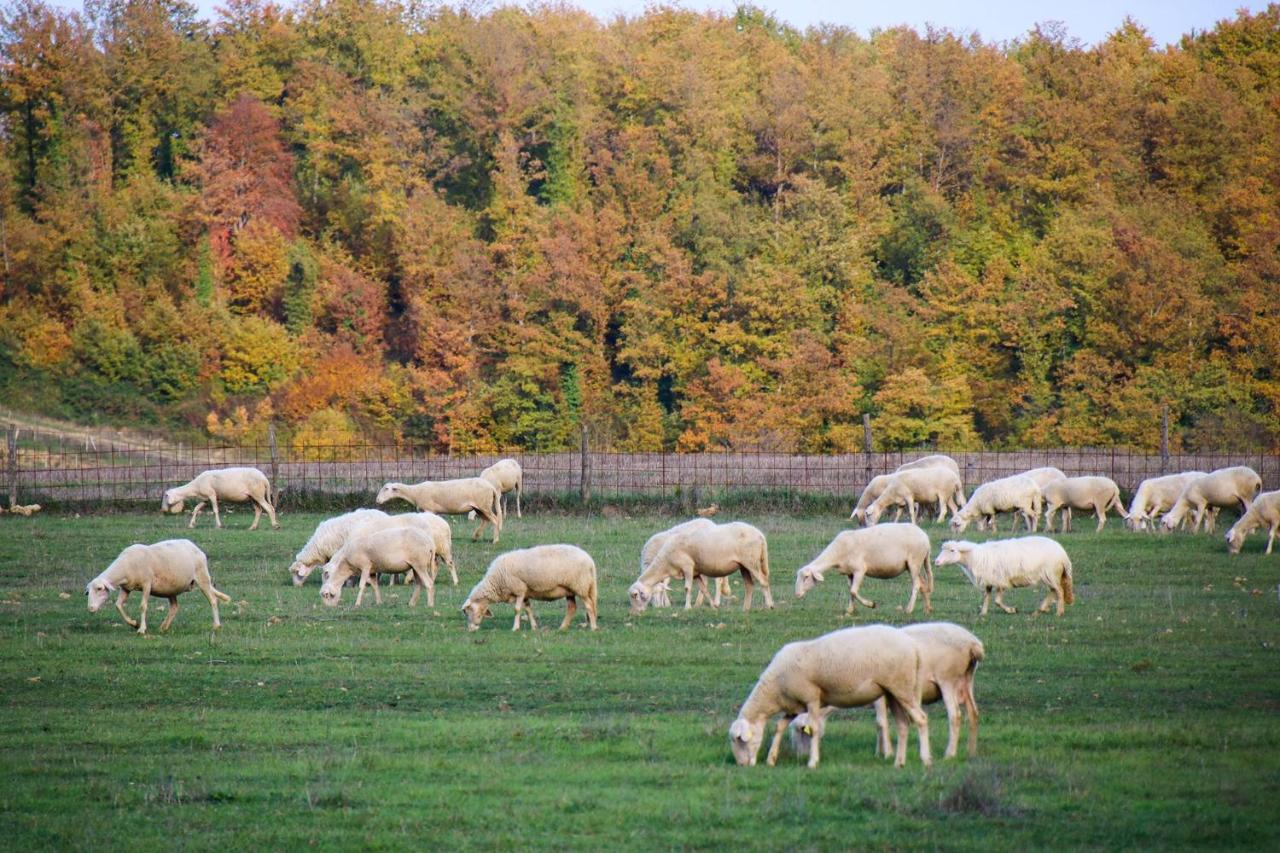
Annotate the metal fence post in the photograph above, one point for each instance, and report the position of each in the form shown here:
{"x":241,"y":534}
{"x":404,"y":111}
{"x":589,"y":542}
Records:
{"x":13,"y":465}
{"x":584,"y":485}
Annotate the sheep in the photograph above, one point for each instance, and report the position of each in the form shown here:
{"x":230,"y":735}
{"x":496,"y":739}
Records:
{"x":1265,"y":510}
{"x":1156,"y":496}
{"x":715,"y":552}
{"x":543,"y":572}
{"x":883,"y":551}
{"x":396,"y":550}
{"x":166,"y":569}
{"x":227,"y":484}
{"x":872,"y":491}
{"x":1225,"y":487}
{"x":1004,"y":563}
{"x":1084,"y":493}
{"x":506,"y":475}
{"x":451,"y":497}
{"x":936,"y":460}
{"x":842,"y":669}
{"x":654,"y":544}
{"x":935,"y":484}
{"x":27,"y":510}
{"x":332,"y":534}
{"x":949,"y":658}
{"x":1044,"y":476}
{"x":1019,"y":493}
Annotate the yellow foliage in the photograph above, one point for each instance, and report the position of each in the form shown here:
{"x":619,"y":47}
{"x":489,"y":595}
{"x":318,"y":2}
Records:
{"x":325,"y":436}
{"x":257,"y":356}
{"x":259,"y":266}
{"x":240,"y":427}
{"x":45,"y":345}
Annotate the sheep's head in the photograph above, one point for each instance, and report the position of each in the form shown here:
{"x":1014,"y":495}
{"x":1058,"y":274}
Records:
{"x":640,"y":596}
{"x":97,"y":591}
{"x":170,"y":503}
{"x":331,"y":593}
{"x":475,"y":612}
{"x":1137,"y":520}
{"x":388,"y":492}
{"x":299,"y":572}
{"x":1235,"y":539}
{"x":958,"y":524}
{"x":806,"y":579}
{"x":857,"y":515}
{"x":744,"y":739}
{"x":1168,"y":521}
{"x":953,"y":552}
{"x":873,"y":515}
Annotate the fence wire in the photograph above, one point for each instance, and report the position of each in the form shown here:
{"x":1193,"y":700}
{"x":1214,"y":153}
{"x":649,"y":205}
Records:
{"x":50,"y":468}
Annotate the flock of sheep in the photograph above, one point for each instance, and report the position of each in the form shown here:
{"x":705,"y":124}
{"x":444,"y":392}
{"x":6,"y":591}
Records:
{"x":897,"y":670}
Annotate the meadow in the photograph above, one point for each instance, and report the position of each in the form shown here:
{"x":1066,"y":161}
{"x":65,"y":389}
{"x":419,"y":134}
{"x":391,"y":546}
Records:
{"x":1147,"y":716}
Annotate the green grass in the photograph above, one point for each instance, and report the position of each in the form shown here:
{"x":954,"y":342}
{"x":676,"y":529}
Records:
{"x":1148,"y":716}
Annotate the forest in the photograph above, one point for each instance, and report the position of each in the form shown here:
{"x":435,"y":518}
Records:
{"x":477,"y":229}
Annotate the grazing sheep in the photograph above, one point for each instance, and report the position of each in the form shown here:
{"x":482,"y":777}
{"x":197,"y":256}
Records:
{"x":505,"y":475}
{"x":451,"y":497}
{"x":654,"y":544}
{"x":1018,"y":494}
{"x":1265,"y":510}
{"x":716,"y":552}
{"x":396,"y":550}
{"x":883,"y":551}
{"x":27,"y":510}
{"x":1004,"y":563}
{"x":872,"y":491}
{"x":228,"y":484}
{"x":166,"y":569}
{"x":1084,"y":493}
{"x":1226,"y":487}
{"x":1156,"y":496}
{"x":545,"y":573}
{"x":935,"y":484}
{"x":949,"y":658}
{"x":938,"y":460}
{"x":844,"y":669}
{"x":366,"y":521}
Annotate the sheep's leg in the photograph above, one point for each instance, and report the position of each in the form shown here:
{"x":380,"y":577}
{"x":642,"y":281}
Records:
{"x":749,"y":588}
{"x":257,"y":515}
{"x":768,"y":593}
{"x":1271,"y":535}
{"x":194,"y":513}
{"x":1000,"y":602}
{"x":528,"y":606}
{"x":120,"y":600}
{"x":173,"y":611}
{"x":704,"y":594}
{"x":986,"y":600}
{"x":915,"y":588}
{"x":364,"y":579}
{"x":271,"y":512}
{"x":206,"y":586}
{"x":900,"y":720}
{"x":884,"y":743}
{"x":688,"y":589}
{"x":570,"y":608}
{"x":519,"y":512}
{"x":142,"y":617}
{"x":519,"y":606}
{"x":971,"y":711}
{"x":950,"y":700}
{"x":897,"y":513}
{"x":815,"y":714}
{"x":921,"y":720}
{"x":911,"y":512}
{"x":785,"y":721}
{"x":453,"y":571}
{"x":217,"y":519}
{"x":855,"y":583}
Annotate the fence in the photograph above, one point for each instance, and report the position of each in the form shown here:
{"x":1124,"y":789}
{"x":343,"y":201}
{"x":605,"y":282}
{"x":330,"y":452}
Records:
{"x":52,"y":469}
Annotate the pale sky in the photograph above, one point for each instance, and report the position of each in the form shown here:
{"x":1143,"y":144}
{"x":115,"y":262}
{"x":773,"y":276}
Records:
{"x":994,"y":20}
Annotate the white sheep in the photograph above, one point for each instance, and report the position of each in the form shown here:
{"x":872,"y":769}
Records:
{"x":716,"y":552}
{"x":654,"y":544}
{"x":1004,"y":563}
{"x":1155,"y":496}
{"x":543,"y":572}
{"x":1084,"y":493}
{"x":506,"y":476}
{"x":166,"y":569}
{"x":1044,"y":476}
{"x":872,"y":491}
{"x":883,"y":551}
{"x":931,"y":461}
{"x":1019,"y":494}
{"x":949,"y":658}
{"x":1265,"y":510}
{"x":1225,"y":487}
{"x":393,"y":551}
{"x":934,"y":484}
{"x":844,"y":669}
{"x":332,"y":534}
{"x":235,"y":485}
{"x":451,"y":497}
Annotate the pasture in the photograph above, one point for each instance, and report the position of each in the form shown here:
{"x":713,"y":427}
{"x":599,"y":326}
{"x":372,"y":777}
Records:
{"x":1148,"y":716}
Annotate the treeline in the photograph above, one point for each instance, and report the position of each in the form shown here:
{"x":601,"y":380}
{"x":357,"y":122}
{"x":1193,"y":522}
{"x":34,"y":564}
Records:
{"x":362,"y":219}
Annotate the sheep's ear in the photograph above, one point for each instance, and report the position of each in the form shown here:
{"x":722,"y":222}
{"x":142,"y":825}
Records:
{"x":817,"y":575}
{"x":740,"y":730}
{"x":465,"y":605}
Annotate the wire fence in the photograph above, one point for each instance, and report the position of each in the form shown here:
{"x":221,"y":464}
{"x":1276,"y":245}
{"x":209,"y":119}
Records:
{"x":52,"y":469}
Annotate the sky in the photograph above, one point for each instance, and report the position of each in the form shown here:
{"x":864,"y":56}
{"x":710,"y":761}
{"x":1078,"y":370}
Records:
{"x":994,"y":20}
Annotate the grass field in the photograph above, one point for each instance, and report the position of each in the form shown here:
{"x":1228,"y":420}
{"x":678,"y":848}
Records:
{"x":1148,"y":716}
